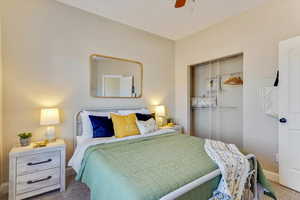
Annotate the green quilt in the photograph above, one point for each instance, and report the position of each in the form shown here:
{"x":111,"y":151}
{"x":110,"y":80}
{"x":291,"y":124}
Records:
{"x":147,"y":168}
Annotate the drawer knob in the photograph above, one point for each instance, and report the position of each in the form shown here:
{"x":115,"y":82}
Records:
{"x":36,"y":181}
{"x":38,"y":163}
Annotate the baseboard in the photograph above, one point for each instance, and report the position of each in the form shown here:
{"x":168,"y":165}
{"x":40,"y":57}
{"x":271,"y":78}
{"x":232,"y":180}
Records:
{"x":272,"y":176}
{"x":4,"y":188}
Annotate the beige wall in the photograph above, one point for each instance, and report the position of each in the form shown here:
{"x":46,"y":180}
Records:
{"x":1,"y":131}
{"x":46,"y":48}
{"x":256,"y":33}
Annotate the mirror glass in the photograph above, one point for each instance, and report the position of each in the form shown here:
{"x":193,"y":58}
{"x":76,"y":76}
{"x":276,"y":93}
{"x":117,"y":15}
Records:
{"x":115,"y":77}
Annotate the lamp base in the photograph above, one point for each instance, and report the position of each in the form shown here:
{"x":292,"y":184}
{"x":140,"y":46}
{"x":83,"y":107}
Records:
{"x":160,"y":121}
{"x":50,"y":134}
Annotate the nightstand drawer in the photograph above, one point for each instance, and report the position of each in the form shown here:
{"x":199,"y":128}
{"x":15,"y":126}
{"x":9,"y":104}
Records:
{"x":38,"y":162}
{"x":31,"y":182}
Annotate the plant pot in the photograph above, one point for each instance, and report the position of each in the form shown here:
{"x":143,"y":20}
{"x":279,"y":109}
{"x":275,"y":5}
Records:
{"x":25,"y":142}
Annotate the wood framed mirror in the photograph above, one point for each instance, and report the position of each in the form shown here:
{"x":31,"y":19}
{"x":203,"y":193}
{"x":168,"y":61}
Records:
{"x":113,"y":77}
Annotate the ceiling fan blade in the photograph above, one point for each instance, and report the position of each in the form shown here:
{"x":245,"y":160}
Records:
{"x":180,"y":3}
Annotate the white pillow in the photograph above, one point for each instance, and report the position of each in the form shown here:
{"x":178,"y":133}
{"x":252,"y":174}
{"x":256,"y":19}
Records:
{"x":127,"y":112}
{"x":148,"y":126}
{"x":87,"y":128}
{"x":82,"y":139}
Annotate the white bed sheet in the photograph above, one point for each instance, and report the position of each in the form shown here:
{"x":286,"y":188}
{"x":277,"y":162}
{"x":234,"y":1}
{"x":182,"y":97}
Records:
{"x":78,"y":155}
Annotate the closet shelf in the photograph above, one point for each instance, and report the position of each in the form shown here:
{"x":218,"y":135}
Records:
{"x":224,"y":74}
{"x":216,"y":107}
{"x":225,"y":86}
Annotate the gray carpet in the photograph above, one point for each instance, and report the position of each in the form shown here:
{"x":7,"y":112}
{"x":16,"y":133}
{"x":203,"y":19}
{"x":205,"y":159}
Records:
{"x":78,"y":191}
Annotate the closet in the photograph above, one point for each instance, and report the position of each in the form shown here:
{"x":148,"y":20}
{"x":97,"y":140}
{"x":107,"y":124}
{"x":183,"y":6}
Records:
{"x":217,"y":99}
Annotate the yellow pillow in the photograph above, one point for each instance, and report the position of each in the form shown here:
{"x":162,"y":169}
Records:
{"x":124,"y":125}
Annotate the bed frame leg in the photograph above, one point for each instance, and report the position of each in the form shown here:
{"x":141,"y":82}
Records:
{"x":255,"y":179}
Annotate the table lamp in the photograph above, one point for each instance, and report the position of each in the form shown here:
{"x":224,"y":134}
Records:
{"x":160,"y":112}
{"x":49,"y":118}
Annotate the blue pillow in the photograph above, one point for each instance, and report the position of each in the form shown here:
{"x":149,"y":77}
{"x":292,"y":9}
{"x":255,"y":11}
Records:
{"x":144,"y":117}
{"x":102,"y":126}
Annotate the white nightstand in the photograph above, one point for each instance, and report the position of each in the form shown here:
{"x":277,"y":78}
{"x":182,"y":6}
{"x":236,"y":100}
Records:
{"x":34,"y":171}
{"x":177,"y":128}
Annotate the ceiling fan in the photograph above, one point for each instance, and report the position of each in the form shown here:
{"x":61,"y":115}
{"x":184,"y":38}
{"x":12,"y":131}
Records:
{"x":180,"y":3}
{"x":185,"y":3}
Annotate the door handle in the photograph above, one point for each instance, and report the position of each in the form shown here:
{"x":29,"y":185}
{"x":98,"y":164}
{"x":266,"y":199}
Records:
{"x":283,"y":120}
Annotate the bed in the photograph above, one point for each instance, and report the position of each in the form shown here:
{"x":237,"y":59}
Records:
{"x":161,"y":165}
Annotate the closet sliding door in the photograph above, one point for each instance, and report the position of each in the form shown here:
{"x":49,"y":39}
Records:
{"x":217,"y":100}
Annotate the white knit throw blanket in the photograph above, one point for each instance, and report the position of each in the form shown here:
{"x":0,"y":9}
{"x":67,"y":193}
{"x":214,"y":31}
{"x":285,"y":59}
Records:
{"x":234,"y":168}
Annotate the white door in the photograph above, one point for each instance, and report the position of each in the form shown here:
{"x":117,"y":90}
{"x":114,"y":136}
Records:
{"x":126,"y":86}
{"x":289,"y":113}
{"x":111,"y":86}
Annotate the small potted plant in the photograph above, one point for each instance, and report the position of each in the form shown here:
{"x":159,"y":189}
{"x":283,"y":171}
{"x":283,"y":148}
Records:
{"x":25,"y":139}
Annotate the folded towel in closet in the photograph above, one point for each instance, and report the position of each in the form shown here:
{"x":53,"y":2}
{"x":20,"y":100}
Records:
{"x":204,"y":102}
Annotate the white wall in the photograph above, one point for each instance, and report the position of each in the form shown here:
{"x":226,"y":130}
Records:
{"x":46,"y":49}
{"x":256,"y":33}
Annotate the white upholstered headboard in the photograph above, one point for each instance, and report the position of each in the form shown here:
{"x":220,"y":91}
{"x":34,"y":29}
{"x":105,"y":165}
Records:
{"x":78,"y":122}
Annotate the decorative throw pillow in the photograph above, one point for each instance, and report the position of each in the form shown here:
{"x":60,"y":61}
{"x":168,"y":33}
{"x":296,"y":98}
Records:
{"x":147,"y":126}
{"x":87,"y":128}
{"x":144,"y":117}
{"x":124,"y":125}
{"x":102,"y":126}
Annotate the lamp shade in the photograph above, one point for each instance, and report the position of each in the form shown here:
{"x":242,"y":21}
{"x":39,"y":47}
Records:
{"x":49,"y":116}
{"x":160,"y":110}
